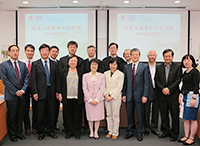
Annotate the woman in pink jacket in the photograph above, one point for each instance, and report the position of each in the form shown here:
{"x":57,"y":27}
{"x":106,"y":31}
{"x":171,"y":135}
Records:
{"x":93,"y":88}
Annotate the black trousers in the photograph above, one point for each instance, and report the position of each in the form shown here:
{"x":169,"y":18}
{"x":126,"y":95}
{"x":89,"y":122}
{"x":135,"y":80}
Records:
{"x":173,"y":108}
{"x":27,"y":123}
{"x":46,"y":107}
{"x":154,"y":118}
{"x":72,"y":116}
{"x":130,"y":108}
{"x":15,"y":113}
{"x":85,"y":118}
{"x":57,"y":107}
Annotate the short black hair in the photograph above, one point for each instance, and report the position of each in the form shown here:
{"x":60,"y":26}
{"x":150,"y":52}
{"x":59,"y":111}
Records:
{"x":54,"y":47}
{"x":94,"y":60}
{"x":72,"y":43}
{"x":113,"y":44}
{"x":30,"y":46}
{"x":44,"y":46}
{"x":112,"y":60}
{"x":12,"y":46}
{"x":135,"y":50}
{"x":70,"y":57}
{"x":186,"y":57}
{"x":91,"y":46}
{"x":168,"y":50}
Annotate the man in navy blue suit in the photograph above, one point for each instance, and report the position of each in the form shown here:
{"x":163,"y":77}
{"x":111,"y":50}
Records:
{"x":135,"y":93}
{"x":14,"y":74}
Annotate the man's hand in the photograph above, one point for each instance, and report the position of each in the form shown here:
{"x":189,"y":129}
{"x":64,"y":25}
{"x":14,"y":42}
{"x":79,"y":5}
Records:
{"x":180,"y":99}
{"x":19,"y":93}
{"x":144,"y":99}
{"x":124,"y":99}
{"x":59,"y":97}
{"x":35,"y":96}
{"x":166,"y":91}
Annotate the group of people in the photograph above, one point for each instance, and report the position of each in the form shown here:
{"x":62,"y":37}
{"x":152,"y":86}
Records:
{"x":97,"y":86}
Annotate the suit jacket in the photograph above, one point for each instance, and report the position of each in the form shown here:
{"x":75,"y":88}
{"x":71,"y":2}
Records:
{"x":114,"y":84}
{"x":141,"y":87}
{"x":64,"y":62}
{"x":93,"y":91}
{"x":62,"y":85}
{"x":9,"y":78}
{"x":121,"y":62}
{"x":85,"y":67}
{"x":172,"y":83}
{"x":39,"y":80}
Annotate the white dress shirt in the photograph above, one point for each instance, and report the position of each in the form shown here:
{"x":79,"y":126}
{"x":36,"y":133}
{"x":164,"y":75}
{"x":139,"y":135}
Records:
{"x":152,"y":70}
{"x":136,"y":65}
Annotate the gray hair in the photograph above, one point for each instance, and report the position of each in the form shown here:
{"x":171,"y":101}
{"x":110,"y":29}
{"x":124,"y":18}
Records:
{"x":150,"y":51}
{"x":135,"y":50}
{"x":126,"y":50}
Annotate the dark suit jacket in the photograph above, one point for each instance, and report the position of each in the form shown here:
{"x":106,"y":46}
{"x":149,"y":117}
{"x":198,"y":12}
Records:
{"x":38,"y":79}
{"x":141,"y":82}
{"x":9,"y":78}
{"x":121,"y":62}
{"x":62,"y":85}
{"x":64,"y":62}
{"x":174,"y":79}
{"x":85,"y":67}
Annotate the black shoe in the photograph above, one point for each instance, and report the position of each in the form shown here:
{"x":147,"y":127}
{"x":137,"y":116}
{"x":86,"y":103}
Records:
{"x":181,"y":141}
{"x":67,"y":136}
{"x":163,"y":135}
{"x":146,"y":132}
{"x":41,"y":137}
{"x":155,"y":132}
{"x":21,"y":137}
{"x":127,"y":136}
{"x":85,"y":128}
{"x":57,"y":128}
{"x":172,"y":139}
{"x":77,"y":137}
{"x":193,"y":142}
{"x":13,"y":138}
{"x":52,"y":135}
{"x":139,"y":137}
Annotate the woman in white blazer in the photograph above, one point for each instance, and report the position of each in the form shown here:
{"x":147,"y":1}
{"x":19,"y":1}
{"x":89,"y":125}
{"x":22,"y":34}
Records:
{"x":112,"y":93}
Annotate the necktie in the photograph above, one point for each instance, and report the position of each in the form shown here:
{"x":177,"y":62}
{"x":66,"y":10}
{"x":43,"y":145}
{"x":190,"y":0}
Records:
{"x":47,"y":73}
{"x":18,"y":76}
{"x":133,"y":77}
{"x":29,"y":73}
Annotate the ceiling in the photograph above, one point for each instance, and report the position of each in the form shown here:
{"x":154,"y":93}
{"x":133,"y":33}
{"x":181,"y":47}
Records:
{"x":7,"y":5}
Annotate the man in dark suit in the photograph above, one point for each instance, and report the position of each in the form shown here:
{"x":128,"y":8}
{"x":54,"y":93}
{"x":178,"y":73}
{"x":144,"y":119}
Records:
{"x":151,"y":126}
{"x":29,"y":52}
{"x":54,"y":51}
{"x":135,"y":93}
{"x":113,"y":48}
{"x":167,"y":78}
{"x":44,"y":77}
{"x":72,"y":48}
{"x":14,"y":75}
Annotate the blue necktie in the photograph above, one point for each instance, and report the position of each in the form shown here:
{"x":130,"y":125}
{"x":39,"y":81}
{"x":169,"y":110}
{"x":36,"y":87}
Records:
{"x":47,"y":73}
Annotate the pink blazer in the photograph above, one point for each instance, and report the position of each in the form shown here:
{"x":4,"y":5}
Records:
{"x":93,"y":90}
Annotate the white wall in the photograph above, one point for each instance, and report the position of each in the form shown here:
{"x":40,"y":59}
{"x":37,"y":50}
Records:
{"x":7,"y":30}
{"x":195,"y":34}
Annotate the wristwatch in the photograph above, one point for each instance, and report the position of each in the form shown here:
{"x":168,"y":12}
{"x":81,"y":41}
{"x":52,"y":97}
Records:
{"x":193,"y":98}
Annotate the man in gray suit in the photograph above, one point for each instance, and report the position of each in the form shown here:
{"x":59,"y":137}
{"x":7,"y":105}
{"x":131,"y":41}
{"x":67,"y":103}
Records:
{"x":14,"y":74}
{"x":135,"y":93}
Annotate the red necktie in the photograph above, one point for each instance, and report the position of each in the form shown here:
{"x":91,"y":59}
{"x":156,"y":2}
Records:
{"x":133,"y":77}
{"x":29,"y":73}
{"x":18,"y":76}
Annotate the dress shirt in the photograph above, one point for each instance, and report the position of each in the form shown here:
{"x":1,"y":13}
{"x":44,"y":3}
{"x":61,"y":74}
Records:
{"x":53,"y":59}
{"x":167,"y":69}
{"x":91,"y":59}
{"x":152,"y":70}
{"x":48,"y":64}
{"x":25,"y":60}
{"x":136,"y":65}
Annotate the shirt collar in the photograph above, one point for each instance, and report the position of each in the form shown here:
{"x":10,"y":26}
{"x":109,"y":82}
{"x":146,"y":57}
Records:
{"x":136,"y":64}
{"x":169,"y":65}
{"x":95,"y":74}
{"x":44,"y":60}
{"x":13,"y":60}
{"x":53,"y":59}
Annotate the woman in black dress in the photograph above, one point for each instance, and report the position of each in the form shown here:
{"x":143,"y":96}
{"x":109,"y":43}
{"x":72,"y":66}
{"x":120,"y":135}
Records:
{"x":189,"y":96}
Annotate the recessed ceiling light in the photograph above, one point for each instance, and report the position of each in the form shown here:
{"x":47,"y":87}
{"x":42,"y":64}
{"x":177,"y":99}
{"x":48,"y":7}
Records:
{"x":75,"y":1}
{"x":25,"y":2}
{"x":126,"y":1}
{"x":177,"y":2}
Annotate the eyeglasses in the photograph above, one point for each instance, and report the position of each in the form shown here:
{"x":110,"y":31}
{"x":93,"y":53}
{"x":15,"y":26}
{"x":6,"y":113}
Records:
{"x":14,"y":50}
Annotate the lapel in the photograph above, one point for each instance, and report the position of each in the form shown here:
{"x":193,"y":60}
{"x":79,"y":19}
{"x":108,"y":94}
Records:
{"x":50,"y":65}
{"x":21,"y":73}
{"x":40,"y":64}
{"x":170,"y":70}
{"x":151,"y":82}
{"x":163,"y":73}
{"x":130,"y":70}
{"x":13,"y":69}
{"x":138,"y":68}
